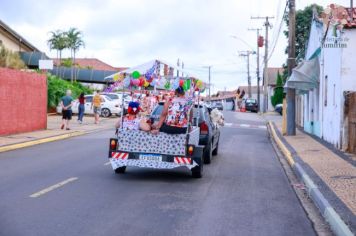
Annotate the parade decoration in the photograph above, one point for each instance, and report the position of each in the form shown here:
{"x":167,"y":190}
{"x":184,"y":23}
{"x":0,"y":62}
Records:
{"x":136,"y":74}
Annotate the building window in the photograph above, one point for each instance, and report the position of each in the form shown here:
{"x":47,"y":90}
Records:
{"x":326,"y":91}
{"x":334,"y":96}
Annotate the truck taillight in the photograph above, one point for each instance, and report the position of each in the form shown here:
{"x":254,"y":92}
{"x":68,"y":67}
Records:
{"x":204,"y":129}
{"x":113,"y":144}
{"x":190,"y":150}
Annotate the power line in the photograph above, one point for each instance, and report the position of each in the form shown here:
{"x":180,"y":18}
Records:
{"x":278,"y":35}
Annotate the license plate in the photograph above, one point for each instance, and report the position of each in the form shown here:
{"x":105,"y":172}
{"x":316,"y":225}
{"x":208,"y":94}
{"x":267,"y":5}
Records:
{"x":150,"y":157}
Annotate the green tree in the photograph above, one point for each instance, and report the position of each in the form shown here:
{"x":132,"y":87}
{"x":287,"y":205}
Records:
{"x":75,"y":42}
{"x":277,"y":97}
{"x":58,"y":41}
{"x":302,"y":28}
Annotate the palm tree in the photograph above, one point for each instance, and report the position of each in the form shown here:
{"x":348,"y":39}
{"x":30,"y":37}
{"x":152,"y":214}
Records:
{"x":75,"y":42}
{"x":58,"y":41}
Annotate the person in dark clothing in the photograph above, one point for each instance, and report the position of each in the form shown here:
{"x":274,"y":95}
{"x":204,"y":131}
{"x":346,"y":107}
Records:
{"x":81,"y":107}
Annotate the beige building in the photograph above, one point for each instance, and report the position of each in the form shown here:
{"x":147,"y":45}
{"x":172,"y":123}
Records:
{"x":13,"y":41}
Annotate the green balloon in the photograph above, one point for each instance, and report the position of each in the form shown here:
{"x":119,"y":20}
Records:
{"x":187,"y":82}
{"x":136,"y":74}
{"x":167,"y":85}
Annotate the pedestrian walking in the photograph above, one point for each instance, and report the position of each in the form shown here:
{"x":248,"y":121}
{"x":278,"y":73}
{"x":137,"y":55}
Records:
{"x":96,"y":106}
{"x":81,"y":108}
{"x":66,"y":104}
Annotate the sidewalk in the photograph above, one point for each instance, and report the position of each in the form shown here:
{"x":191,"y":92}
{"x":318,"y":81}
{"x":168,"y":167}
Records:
{"x":53,"y":130}
{"x":334,"y":175}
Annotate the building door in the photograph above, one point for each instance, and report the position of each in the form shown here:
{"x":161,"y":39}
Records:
{"x":352,"y":123}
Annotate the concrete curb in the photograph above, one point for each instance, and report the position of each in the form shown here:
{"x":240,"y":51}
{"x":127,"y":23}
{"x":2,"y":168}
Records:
{"x":40,"y":141}
{"x":327,"y":211}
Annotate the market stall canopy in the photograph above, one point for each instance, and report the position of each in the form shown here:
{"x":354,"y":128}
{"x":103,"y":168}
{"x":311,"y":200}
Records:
{"x":305,"y":76}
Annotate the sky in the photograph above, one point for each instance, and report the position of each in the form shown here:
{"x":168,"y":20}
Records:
{"x":125,"y":33}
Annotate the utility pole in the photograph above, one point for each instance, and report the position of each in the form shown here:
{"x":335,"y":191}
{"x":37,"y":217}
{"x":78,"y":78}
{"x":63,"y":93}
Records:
{"x":267,"y":25}
{"x":178,"y":67}
{"x":209,"y":67}
{"x":258,"y":68}
{"x":291,"y":64}
{"x":247,"y":55}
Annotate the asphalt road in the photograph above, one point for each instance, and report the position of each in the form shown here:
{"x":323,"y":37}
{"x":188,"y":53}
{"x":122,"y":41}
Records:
{"x":244,"y":191}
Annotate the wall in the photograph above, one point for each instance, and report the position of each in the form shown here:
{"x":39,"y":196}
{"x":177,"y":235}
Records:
{"x":331,"y":93}
{"x":11,"y":43}
{"x":348,"y":77}
{"x":23,"y":101}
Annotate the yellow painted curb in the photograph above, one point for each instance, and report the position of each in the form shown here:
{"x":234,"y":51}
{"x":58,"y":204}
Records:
{"x":281,"y":145}
{"x":39,"y":141}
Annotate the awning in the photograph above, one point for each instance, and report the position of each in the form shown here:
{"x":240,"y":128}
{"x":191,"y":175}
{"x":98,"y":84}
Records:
{"x":305,"y":76}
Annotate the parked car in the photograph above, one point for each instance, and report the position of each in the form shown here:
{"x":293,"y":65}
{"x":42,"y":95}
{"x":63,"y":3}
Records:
{"x":209,"y":132}
{"x":217,"y":105}
{"x":279,"y":108}
{"x":118,"y":97}
{"x":108,"y":106}
{"x":251,"y":105}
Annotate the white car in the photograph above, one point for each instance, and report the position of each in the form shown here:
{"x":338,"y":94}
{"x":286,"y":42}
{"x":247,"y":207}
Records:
{"x":108,"y":106}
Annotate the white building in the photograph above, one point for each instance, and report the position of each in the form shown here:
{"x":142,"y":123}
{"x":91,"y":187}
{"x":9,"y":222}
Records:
{"x":326,"y":79}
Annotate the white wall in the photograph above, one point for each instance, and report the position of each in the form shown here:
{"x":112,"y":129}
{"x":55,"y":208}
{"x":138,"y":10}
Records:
{"x":348,"y":78}
{"x":331,"y":91}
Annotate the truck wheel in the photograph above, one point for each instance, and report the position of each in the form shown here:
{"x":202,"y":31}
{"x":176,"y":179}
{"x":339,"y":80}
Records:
{"x":208,"y":153}
{"x":120,"y":170}
{"x":216,"y":150}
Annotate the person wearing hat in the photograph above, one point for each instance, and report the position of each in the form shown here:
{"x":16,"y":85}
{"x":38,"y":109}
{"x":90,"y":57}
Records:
{"x":131,"y":121}
{"x":174,"y":117}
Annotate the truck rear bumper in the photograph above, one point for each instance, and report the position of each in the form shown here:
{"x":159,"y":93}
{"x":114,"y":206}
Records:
{"x":120,"y":159}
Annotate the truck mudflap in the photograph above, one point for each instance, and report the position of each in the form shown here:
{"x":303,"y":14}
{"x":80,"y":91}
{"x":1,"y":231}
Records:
{"x":121,"y":159}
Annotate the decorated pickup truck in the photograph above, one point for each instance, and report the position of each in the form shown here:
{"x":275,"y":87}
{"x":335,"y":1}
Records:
{"x":160,"y":151}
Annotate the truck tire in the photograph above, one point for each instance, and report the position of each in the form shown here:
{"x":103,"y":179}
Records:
{"x":208,"y":155}
{"x":120,"y":170}
{"x":216,"y":150}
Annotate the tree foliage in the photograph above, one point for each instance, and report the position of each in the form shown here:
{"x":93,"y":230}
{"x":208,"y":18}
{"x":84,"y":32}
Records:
{"x":277,"y":97}
{"x":302,"y":28}
{"x":10,"y":59}
{"x":57,"y":88}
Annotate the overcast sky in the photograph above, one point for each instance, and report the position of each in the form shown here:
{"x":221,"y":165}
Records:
{"x":131,"y":32}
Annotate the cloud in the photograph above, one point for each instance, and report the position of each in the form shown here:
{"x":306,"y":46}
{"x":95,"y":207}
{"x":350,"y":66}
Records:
{"x":127,"y":33}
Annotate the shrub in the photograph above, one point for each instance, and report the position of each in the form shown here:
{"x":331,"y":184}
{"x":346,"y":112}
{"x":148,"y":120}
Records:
{"x":10,"y":59}
{"x":278,"y":95}
{"x":57,"y":89}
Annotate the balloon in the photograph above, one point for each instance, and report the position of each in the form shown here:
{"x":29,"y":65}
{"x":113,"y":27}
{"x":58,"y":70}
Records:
{"x":167,"y":85}
{"x":136,"y":74}
{"x":186,"y":85}
{"x":150,"y":79}
{"x":136,"y":82}
{"x":116,"y":77}
{"x":141,"y":81}
{"x":127,"y":82}
{"x":146,"y":84}
{"x":181,"y":82}
{"x":199,"y":84}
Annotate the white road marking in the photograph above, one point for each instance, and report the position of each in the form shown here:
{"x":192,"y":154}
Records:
{"x":262,"y":127}
{"x":107,"y":163}
{"x":53,"y":187}
{"x":228,"y":124}
{"x":244,"y":125}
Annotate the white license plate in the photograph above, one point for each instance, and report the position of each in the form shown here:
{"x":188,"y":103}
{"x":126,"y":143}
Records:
{"x":150,"y":157}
